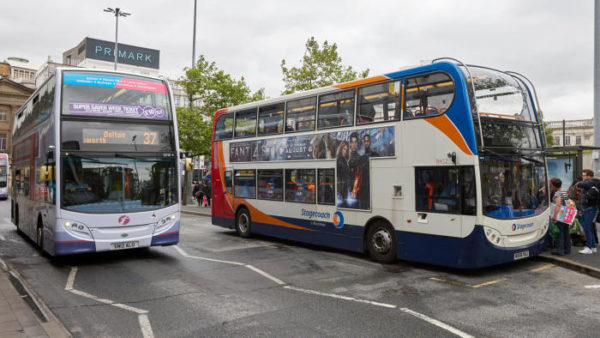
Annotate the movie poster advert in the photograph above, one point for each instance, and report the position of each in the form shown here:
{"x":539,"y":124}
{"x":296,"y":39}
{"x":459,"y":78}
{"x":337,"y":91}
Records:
{"x":351,"y":150}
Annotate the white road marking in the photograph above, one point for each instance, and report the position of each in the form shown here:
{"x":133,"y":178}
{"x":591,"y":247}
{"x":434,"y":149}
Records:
{"x":142,"y":314}
{"x":2,"y":238}
{"x":3,"y":265}
{"x":437,"y":323}
{"x":592,"y":286}
{"x":266,"y":275}
{"x":333,"y":295}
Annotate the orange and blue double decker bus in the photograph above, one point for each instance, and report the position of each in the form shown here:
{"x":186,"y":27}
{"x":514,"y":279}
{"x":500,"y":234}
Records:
{"x":441,"y":163}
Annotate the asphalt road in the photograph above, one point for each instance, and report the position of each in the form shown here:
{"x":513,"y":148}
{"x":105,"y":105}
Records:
{"x":215,"y":283}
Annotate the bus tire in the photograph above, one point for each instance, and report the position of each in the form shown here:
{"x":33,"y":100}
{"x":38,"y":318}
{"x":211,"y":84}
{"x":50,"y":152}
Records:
{"x":39,"y":238}
{"x":381,"y":242}
{"x":243,"y":223}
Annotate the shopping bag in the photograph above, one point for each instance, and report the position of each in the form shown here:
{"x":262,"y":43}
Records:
{"x":566,"y":214}
{"x":204,"y":201}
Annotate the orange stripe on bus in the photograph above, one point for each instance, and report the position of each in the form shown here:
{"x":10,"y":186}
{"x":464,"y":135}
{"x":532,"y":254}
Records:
{"x":355,"y":83}
{"x":446,"y":126}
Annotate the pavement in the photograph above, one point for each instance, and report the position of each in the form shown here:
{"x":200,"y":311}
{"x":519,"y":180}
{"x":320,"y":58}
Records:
{"x":22,"y":314}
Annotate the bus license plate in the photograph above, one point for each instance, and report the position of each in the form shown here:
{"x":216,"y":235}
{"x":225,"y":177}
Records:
{"x":125,"y":245}
{"x":521,"y":254}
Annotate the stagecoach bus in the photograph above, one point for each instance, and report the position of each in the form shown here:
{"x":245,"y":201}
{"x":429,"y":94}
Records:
{"x":95,"y":163}
{"x":441,"y":163}
{"x":3,"y":176}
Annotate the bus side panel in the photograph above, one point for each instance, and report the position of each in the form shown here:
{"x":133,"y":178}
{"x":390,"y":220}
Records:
{"x":473,"y":251}
{"x":221,"y":206}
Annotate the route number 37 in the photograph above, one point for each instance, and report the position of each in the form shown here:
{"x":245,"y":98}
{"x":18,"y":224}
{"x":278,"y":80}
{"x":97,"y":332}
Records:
{"x":149,"y":137}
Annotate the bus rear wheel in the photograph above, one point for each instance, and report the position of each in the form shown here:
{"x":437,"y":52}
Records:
{"x":381,"y":242}
{"x":40,"y":237}
{"x":243,"y":223}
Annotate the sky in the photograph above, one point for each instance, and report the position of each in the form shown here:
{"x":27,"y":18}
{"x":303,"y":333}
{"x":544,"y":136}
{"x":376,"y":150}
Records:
{"x":549,"y":41}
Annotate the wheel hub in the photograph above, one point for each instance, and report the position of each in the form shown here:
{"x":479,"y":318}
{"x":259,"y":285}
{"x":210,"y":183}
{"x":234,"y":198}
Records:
{"x":382,"y":241}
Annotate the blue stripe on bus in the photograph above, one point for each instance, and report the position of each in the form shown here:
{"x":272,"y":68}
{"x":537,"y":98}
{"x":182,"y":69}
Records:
{"x":168,"y":238}
{"x":473,"y":251}
{"x":73,"y":247}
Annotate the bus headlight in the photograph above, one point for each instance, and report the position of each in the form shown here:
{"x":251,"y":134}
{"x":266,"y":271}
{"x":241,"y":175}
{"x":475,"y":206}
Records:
{"x":165,"y":222}
{"x":77,"y":229}
{"x":493,"y":235}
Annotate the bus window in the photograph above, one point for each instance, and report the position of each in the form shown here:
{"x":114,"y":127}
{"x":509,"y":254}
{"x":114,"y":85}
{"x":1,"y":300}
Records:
{"x":428,"y":95}
{"x":300,"y":185}
{"x":245,"y":183}
{"x":336,"y":110}
{"x":300,"y":114}
{"x":228,"y":181}
{"x":224,"y":127}
{"x":378,"y":103}
{"x":245,"y":123}
{"x":270,"y":119}
{"x":445,"y":190}
{"x":326,"y":190}
{"x":270,"y":185}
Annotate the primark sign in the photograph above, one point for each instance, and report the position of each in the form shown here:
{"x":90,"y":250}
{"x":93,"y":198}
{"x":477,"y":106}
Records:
{"x":126,"y":54}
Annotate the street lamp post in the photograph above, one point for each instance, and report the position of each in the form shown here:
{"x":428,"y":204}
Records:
{"x":118,"y":13}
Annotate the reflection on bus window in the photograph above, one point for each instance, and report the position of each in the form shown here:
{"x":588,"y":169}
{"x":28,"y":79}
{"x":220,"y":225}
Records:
{"x":224,"y":127}
{"x":270,"y":185}
{"x":336,"y":110}
{"x":245,"y":183}
{"x":270,"y":119}
{"x":428,"y":95}
{"x":300,"y":185}
{"x":326,"y":189}
{"x":300,"y":114}
{"x":245,"y":123}
{"x":379,"y":103}
{"x":228,"y":181}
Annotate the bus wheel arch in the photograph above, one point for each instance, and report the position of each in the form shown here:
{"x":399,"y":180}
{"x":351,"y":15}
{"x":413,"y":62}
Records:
{"x":380,"y":240}
{"x":243,"y":221}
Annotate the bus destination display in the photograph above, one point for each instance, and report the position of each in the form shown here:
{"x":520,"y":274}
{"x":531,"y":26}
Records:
{"x":120,"y":136}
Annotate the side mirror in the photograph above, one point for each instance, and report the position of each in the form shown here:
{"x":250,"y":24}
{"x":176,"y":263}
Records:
{"x":189,"y":165}
{"x":46,"y":173}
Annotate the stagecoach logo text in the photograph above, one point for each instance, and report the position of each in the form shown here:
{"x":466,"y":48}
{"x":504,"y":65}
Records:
{"x":516,"y":227}
{"x":315,"y":214}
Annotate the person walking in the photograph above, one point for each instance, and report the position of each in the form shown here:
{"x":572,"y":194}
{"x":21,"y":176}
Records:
{"x":207,"y":190}
{"x":558,"y":197}
{"x":590,"y":210}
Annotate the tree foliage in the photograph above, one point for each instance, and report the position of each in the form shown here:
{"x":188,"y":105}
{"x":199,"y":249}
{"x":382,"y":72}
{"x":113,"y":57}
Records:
{"x":209,"y":89}
{"x":548,"y":131}
{"x":321,"y":66}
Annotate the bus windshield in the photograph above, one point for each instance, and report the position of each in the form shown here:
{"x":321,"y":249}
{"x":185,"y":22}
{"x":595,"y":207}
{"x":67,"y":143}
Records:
{"x":513,"y":186}
{"x":499,"y":95}
{"x":114,"y":95}
{"x":117,"y":184}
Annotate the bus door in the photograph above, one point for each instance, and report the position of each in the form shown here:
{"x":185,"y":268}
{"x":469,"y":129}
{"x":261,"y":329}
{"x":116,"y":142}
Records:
{"x":444,"y":196}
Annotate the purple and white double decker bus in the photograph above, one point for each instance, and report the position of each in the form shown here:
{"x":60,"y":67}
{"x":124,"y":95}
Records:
{"x":96,"y":163}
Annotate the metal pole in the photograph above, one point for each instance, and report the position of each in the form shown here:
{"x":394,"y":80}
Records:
{"x":116,"y":36}
{"x":194,"y":37}
{"x":596,"y":86}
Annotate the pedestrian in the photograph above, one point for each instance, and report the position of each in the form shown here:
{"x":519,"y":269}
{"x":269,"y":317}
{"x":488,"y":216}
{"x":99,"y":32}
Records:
{"x":558,"y":198}
{"x":208,"y":192}
{"x":197,"y":193}
{"x":589,"y":209}
{"x":202,"y":193}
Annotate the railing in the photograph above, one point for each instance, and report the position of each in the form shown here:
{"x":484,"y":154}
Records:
{"x":571,"y":124}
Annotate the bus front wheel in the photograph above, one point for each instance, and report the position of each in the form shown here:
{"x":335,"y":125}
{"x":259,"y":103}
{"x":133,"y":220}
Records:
{"x":381,"y":242}
{"x":243,"y":222}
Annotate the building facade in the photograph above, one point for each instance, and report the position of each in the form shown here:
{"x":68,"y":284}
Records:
{"x":576,"y":133}
{"x":21,"y":71}
{"x":12,"y":96}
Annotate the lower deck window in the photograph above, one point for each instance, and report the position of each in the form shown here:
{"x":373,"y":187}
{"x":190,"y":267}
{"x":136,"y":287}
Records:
{"x":270,"y":185}
{"x":245,"y":183}
{"x":446,"y":190}
{"x":300,"y":185}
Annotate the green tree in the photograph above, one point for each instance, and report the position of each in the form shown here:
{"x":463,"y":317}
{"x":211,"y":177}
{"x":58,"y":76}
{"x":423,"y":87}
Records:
{"x":209,"y":89}
{"x":321,"y":66}
{"x":548,"y":131}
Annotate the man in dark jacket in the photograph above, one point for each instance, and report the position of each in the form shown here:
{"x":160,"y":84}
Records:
{"x":589,"y":211}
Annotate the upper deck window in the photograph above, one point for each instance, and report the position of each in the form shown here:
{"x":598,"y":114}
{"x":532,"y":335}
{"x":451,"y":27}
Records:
{"x":428,"y":95}
{"x":300,"y":114}
{"x":270,"y":119}
{"x":224,"y":127}
{"x":245,"y":123}
{"x":115,"y":95}
{"x":336,"y":110}
{"x":499,"y":95}
{"x":379,"y":103}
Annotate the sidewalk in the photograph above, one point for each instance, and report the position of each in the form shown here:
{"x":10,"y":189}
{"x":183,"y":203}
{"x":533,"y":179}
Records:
{"x":588,"y":264}
{"x":17,"y":317}
{"x":192,"y":208}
